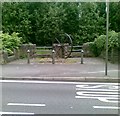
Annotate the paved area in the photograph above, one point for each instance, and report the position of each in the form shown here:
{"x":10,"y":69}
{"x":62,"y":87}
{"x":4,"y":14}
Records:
{"x":93,"y":69}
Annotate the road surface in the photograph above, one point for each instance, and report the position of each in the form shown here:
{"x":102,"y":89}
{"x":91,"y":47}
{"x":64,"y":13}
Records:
{"x":52,"y":97}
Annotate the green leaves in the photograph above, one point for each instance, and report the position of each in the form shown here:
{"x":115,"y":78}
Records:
{"x":40,"y":22}
{"x":100,"y":41}
{"x":15,"y":18}
{"x":113,"y":42}
{"x":10,"y":42}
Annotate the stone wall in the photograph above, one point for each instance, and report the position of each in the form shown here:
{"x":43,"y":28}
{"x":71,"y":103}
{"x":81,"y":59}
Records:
{"x":113,"y":55}
{"x":17,"y":54}
{"x":25,"y":47}
{"x":87,"y":50}
{"x":6,"y":58}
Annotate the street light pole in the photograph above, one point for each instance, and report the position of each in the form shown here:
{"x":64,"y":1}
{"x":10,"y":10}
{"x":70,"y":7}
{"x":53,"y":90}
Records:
{"x":107,"y":28}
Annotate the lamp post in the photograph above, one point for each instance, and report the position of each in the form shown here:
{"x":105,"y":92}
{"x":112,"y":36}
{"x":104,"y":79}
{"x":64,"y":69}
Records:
{"x":107,"y":28}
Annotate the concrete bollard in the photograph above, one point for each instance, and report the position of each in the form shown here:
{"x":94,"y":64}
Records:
{"x":28,"y":56}
{"x":53,"y":56}
{"x":82,"y":56}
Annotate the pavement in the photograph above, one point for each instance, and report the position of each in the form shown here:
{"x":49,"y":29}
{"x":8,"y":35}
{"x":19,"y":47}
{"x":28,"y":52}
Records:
{"x":92,"y":70}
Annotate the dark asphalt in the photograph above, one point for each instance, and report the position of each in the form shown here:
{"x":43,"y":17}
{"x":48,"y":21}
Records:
{"x":59,"y":98}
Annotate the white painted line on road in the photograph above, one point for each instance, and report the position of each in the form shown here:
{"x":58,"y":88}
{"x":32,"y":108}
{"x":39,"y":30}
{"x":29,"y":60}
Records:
{"x":106,"y":107}
{"x":23,"y":104}
{"x":36,"y":82}
{"x":112,"y":90}
{"x":99,"y":92}
{"x":80,"y":93}
{"x":97,"y":86}
{"x":103,"y":99}
{"x":88,"y":97}
{"x":17,"y":113}
{"x":52,"y":82}
{"x":90,"y":87}
{"x":108,"y":100}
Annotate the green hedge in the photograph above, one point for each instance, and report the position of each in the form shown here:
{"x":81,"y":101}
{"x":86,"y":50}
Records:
{"x":99,"y":44}
{"x":10,"y":42}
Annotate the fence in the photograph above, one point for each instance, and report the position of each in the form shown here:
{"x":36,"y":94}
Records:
{"x":43,"y":51}
{"x":46,"y":51}
{"x":39,"y":51}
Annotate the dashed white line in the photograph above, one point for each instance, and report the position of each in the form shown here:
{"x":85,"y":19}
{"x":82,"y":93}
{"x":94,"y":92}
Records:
{"x":17,"y":113}
{"x":106,"y":107}
{"x":23,"y":104}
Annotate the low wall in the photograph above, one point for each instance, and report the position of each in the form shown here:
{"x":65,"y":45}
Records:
{"x":25,"y":47}
{"x":20,"y":53}
{"x":113,"y":55}
{"x":87,"y":50}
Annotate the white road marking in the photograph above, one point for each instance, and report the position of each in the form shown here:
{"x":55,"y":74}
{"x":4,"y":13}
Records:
{"x":17,"y":113}
{"x":90,"y":87}
{"x":87,"y":97}
{"x":23,"y":104}
{"x":52,"y":82}
{"x":94,"y":95}
{"x":99,"y":92}
{"x":108,"y":100}
{"x":114,"y":86}
{"x":106,"y":107}
{"x":112,"y":90}
{"x":103,"y":92}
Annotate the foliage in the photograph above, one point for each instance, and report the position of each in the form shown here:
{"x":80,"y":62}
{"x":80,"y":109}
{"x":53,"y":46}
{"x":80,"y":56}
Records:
{"x":15,"y":18}
{"x":113,"y":40}
{"x":40,"y":22}
{"x":114,"y":16}
{"x":10,"y":42}
{"x":94,"y":49}
{"x":52,"y":22}
{"x":100,"y":42}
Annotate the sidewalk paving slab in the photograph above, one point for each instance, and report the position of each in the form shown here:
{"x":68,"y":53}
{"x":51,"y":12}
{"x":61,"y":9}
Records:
{"x":91,"y":71}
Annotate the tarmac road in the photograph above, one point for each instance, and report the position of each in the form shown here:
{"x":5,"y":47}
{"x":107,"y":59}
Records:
{"x":52,"y":97}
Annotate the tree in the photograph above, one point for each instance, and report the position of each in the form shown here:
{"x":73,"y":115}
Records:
{"x":91,"y":24}
{"x":40,"y":23}
{"x":15,"y":18}
{"x":114,"y":16}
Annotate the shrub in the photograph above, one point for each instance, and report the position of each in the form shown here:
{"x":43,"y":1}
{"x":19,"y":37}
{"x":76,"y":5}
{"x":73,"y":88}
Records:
{"x":100,"y":43}
{"x":113,"y":40}
{"x":10,"y":42}
{"x":94,"y":48}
